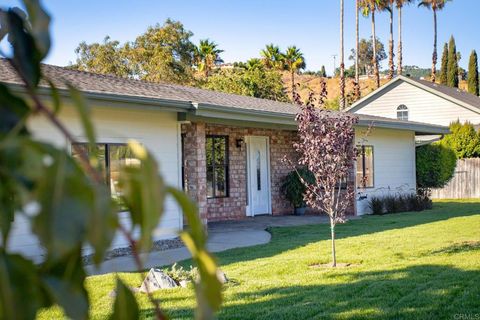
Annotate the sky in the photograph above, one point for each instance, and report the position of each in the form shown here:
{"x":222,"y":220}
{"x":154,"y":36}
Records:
{"x":243,"y":27}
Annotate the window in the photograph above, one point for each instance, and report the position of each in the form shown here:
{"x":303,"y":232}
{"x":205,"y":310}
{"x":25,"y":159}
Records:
{"x":217,"y":166}
{"x":402,"y":112}
{"x":111,"y":157}
{"x":365,"y":167}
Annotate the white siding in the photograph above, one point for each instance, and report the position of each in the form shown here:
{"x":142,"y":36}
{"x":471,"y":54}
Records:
{"x":423,"y":106}
{"x":158,"y":131}
{"x":394,"y":163}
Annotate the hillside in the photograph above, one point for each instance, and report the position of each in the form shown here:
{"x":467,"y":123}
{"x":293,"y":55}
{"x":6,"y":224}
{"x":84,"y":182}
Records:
{"x":310,"y":83}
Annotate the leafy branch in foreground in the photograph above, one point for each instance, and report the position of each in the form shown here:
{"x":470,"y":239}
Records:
{"x":65,"y":200}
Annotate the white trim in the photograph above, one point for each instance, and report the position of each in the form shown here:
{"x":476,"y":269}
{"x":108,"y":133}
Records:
{"x":180,"y":177}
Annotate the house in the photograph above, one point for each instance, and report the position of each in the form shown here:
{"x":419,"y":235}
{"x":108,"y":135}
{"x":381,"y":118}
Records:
{"x":225,"y":150}
{"x":420,"y":100}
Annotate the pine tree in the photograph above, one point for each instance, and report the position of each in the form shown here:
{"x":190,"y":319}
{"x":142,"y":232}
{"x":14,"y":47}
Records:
{"x":473,"y":74}
{"x":452,"y":70}
{"x":323,"y":73}
{"x":444,"y":66}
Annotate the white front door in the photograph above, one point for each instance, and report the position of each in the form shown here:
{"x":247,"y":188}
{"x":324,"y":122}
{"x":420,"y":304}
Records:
{"x":258,"y":164}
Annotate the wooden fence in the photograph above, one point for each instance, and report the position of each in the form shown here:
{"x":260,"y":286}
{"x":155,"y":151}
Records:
{"x":464,"y":184}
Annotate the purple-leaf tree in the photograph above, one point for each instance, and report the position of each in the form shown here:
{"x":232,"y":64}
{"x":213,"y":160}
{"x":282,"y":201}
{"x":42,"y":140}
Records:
{"x":326,"y":147}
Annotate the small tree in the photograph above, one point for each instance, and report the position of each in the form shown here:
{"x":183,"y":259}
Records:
{"x":473,"y":74}
{"x":444,"y":66}
{"x":452,"y":72}
{"x":463,"y":140}
{"x":326,"y":148}
{"x":323,"y":72}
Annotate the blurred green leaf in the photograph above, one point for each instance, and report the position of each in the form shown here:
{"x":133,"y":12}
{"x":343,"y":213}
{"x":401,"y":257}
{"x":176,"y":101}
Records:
{"x":26,"y":56}
{"x":143,"y":193}
{"x":64,"y":281}
{"x":209,"y":289}
{"x":102,"y":222}
{"x":21,"y":291}
{"x":39,"y":22}
{"x":13,"y":112}
{"x":55,"y":97}
{"x":84,"y":111}
{"x":125,"y":307}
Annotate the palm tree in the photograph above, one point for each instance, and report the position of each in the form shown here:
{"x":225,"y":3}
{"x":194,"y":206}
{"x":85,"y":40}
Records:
{"x":272,"y":57}
{"x":342,"y":62}
{"x":207,"y":55}
{"x":293,"y":61}
{"x":357,"y":39}
{"x":387,"y":5}
{"x":253,"y":64}
{"x":368,"y":8}
{"x":400,"y":4}
{"x":435,"y":5}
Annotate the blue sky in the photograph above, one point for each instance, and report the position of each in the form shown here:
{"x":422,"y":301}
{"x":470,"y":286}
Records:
{"x":243,"y":27}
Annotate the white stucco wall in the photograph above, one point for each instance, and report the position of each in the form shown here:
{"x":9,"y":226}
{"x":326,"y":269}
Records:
{"x":393,"y":163}
{"x":423,"y":106}
{"x":158,"y":131}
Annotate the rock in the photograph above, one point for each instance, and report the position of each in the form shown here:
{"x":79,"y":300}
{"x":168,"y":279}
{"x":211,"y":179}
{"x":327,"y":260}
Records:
{"x":184,"y":283}
{"x":221,"y":276}
{"x":156,"y":280}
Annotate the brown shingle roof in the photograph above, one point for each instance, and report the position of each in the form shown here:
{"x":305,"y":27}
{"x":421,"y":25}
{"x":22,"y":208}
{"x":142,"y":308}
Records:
{"x":108,"y":84}
{"x":112,"y":85}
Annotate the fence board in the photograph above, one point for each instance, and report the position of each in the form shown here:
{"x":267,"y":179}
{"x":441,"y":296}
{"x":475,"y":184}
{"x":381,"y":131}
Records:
{"x":464,"y":184}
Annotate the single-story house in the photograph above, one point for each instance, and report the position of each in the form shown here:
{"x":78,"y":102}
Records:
{"x":419,"y":100}
{"x":225,"y":150}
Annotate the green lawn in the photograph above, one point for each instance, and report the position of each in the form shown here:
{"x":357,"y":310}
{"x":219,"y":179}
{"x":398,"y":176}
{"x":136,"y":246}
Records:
{"x":405,"y":266}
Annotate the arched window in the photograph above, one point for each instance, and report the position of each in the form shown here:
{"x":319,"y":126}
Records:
{"x":402,"y":112}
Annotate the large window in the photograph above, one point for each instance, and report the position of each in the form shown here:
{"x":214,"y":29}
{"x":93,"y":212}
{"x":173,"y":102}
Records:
{"x":402,"y":112}
{"x":111,"y":157}
{"x":365,"y":167}
{"x":217,"y":166}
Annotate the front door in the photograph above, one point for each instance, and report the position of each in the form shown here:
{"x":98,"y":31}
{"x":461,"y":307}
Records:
{"x":258,"y":176}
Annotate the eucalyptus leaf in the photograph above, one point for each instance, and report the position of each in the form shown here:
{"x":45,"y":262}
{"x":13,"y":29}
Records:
{"x":83,"y":110}
{"x":21,"y":291}
{"x":55,"y":97}
{"x":125,"y":306}
{"x":26,"y":57}
{"x":64,"y":280}
{"x":143,"y":193}
{"x":209,"y":289}
{"x":39,"y":22}
{"x":13,"y":112}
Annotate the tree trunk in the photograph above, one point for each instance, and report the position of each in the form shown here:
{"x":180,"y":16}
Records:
{"x":374,"y":45}
{"x":342,"y":63}
{"x":334,"y":254}
{"x":391,"y":64}
{"x":434,"y":55}
{"x":293,"y":84}
{"x":399,"y":63}
{"x":357,"y":35}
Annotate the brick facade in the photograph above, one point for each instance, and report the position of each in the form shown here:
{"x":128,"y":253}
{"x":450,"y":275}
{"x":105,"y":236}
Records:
{"x":233,"y":207}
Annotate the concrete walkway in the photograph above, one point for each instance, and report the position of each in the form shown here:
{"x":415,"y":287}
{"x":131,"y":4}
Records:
{"x":221,"y":236}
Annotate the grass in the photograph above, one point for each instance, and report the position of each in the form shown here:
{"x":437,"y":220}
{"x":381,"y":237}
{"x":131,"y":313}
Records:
{"x":422,"y":265}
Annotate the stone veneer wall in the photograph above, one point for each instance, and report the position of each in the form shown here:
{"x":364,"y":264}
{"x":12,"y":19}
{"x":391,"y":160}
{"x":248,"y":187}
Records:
{"x":234,"y":206}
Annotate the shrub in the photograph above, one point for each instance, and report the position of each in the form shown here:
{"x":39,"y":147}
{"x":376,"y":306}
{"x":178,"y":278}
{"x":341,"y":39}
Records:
{"x":178,"y":273}
{"x":400,"y":203}
{"x":463,"y":140}
{"x":376,"y":205}
{"x":294,"y":189}
{"x":435,"y":166}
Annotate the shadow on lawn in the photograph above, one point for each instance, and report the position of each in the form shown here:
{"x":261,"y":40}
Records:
{"x":289,"y":238}
{"x":418,"y":292}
